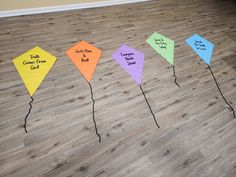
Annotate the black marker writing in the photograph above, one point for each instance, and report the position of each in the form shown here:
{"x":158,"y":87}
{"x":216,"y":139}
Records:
{"x":129,"y":58}
{"x":161,"y":43}
{"x":84,"y":58}
{"x":199,"y":45}
{"x":34,"y":62}
{"x":34,"y":56}
{"x":83,"y":51}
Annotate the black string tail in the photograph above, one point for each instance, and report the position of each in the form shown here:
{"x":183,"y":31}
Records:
{"x":94,"y":121}
{"x":28,"y":114}
{"x":232,"y":109}
{"x":154,"y":118}
{"x":175,"y":76}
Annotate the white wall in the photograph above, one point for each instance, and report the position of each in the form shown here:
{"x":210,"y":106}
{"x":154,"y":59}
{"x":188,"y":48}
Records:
{"x":25,"y":4}
{"x":10,"y":8}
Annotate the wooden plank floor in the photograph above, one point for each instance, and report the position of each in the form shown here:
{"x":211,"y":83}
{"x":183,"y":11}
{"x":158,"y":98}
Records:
{"x":197,"y":137}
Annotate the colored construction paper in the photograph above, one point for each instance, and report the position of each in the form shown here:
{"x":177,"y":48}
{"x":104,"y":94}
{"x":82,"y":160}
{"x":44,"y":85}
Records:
{"x":131,"y":60}
{"x":162,"y":45}
{"x":202,"y":47}
{"x":33,"y":66}
{"x":85,"y":56}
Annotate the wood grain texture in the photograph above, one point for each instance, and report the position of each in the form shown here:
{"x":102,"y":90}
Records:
{"x":197,"y":137}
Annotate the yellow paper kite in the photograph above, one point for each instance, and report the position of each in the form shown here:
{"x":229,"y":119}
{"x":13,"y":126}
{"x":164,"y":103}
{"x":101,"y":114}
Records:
{"x":33,"y":66}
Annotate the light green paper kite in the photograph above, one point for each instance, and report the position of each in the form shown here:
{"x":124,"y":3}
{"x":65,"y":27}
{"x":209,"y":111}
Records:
{"x":165,"y":47}
{"x":162,"y":45}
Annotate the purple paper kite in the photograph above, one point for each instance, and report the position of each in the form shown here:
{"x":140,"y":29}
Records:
{"x":132,"y":62}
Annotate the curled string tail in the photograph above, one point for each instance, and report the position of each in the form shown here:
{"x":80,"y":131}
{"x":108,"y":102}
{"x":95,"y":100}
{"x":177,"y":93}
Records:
{"x":28,"y":114}
{"x":175,"y":75}
{"x":154,"y":118}
{"x":94,"y":121}
{"x":232,"y":109}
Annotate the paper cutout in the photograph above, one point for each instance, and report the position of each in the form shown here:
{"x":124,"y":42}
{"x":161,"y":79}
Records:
{"x":165,"y":47}
{"x":162,"y":45}
{"x":33,"y":66}
{"x":202,"y":47}
{"x":85,"y":57}
{"x":131,"y":61}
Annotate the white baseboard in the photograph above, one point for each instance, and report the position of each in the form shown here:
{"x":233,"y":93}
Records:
{"x":11,"y":13}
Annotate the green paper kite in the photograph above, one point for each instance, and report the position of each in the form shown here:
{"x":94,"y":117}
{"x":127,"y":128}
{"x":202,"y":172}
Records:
{"x":165,"y":47}
{"x":162,"y":45}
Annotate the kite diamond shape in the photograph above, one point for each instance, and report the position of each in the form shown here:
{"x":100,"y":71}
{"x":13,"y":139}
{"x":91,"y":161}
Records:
{"x":162,"y":45}
{"x":202,"y":47}
{"x":131,"y":61}
{"x":85,"y":57}
{"x":33,"y":66}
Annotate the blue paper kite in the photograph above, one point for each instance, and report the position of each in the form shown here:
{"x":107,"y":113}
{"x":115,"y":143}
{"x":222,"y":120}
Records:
{"x":204,"y":49}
